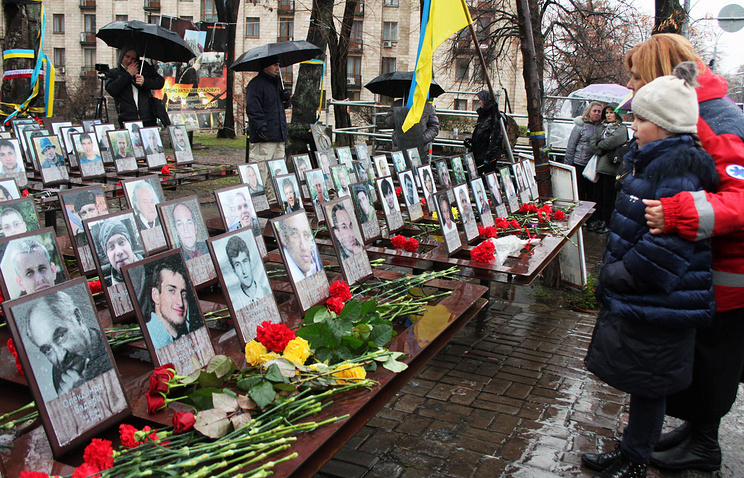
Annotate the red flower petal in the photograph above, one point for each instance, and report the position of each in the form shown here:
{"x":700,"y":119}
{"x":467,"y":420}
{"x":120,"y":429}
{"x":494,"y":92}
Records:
{"x":411,"y":245}
{"x":183,"y":421}
{"x":99,"y":454}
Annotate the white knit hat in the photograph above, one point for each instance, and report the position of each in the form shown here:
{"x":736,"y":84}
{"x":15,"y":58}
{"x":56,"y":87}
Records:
{"x":670,"y":102}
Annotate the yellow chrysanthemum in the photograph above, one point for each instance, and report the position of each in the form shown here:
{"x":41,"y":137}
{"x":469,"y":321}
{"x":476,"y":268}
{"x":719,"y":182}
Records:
{"x":434,"y":215}
{"x":455,"y":214}
{"x":350,"y":375}
{"x":297,"y":350}
{"x":253,"y":351}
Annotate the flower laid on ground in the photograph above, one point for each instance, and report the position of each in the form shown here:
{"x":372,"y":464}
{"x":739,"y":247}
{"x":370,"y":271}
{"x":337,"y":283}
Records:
{"x":335,"y":305}
{"x":341,"y":290}
{"x":33,"y":474}
{"x":350,"y":375}
{"x":544,"y":212}
{"x":398,"y":191}
{"x":398,"y":241}
{"x":163,"y":378}
{"x":165,"y":170}
{"x":95,"y":286}
{"x":423,"y":201}
{"x":528,"y":208}
{"x":411,"y":245}
{"x":14,"y":352}
{"x":401,"y":242}
{"x":253,"y":353}
{"x":487,"y":232}
{"x":558,"y":215}
{"x":86,"y":470}
{"x":274,"y":336}
{"x":483,"y":252}
{"x":99,"y":454}
{"x":131,"y":437}
{"x":183,"y":422}
{"x":24,"y":193}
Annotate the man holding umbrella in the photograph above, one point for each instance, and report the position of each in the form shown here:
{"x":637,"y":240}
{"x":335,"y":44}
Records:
{"x":130,"y":85}
{"x":265,"y":101}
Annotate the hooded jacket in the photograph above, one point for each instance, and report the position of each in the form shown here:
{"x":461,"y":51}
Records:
{"x":119,"y":85}
{"x":487,"y":141}
{"x":265,"y":109}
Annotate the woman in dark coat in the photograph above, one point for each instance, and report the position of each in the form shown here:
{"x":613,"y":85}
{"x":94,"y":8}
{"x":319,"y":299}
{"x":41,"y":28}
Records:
{"x":126,"y":80}
{"x":488,"y":138}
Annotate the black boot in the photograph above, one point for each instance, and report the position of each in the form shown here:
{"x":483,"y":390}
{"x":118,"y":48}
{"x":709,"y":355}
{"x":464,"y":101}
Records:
{"x":673,"y":438}
{"x":699,"y":451}
{"x":600,"y":461}
{"x":624,"y":468}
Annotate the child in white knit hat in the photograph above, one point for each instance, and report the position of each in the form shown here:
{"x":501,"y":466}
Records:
{"x":655,"y":289}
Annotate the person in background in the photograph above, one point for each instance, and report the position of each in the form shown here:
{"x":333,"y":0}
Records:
{"x":130,"y":84}
{"x":579,"y":150}
{"x":488,"y":137}
{"x":425,"y":131}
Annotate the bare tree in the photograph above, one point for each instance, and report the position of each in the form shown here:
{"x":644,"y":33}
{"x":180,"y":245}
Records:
{"x":227,"y":12}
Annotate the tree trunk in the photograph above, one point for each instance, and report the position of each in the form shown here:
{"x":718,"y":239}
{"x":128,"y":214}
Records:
{"x":22,"y":23}
{"x":669,"y":18}
{"x":339,"y":49}
{"x":534,"y":99}
{"x":227,"y":12}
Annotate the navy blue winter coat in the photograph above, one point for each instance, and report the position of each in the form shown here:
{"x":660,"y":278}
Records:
{"x":655,"y":289}
{"x":265,"y":109}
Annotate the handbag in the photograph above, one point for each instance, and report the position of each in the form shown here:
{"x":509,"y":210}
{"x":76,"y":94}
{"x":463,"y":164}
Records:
{"x":590,"y":170}
{"x":158,"y":108}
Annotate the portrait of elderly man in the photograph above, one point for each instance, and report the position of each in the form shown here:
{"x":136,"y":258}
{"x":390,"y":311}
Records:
{"x":245,"y":216}
{"x":187,"y":231}
{"x":316,"y":183}
{"x":252,"y":286}
{"x":77,"y":352}
{"x":116,"y":241}
{"x":144,"y":199}
{"x":33,"y":266}
{"x":343,"y":230}
{"x":9,"y":158}
{"x":12,"y":222}
{"x":290,"y":196}
{"x":480,"y":197}
{"x":299,"y":247}
{"x":151,"y":139}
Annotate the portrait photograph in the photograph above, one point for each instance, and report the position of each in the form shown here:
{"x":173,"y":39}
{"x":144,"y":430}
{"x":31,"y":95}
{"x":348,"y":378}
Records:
{"x":481,"y":202}
{"x":414,"y":157}
{"x":116,"y":242}
{"x":347,"y":240}
{"x":426,"y":178}
{"x":89,"y":157}
{"x":78,"y":205}
{"x":11,"y":162}
{"x":523,"y":189}
{"x":399,"y":161}
{"x":250,"y":175}
{"x":27,"y":145}
{"x":65,"y":134}
{"x":469,"y":161}
{"x":237,"y":212}
{"x":462,"y":196}
{"x":326,"y":159}
{"x":143,"y":195}
{"x":445,"y":180}
{"x":30,"y":263}
{"x":180,"y":143}
{"x":381,"y":165}
{"x":458,"y":170}
{"x":529,"y":173}
{"x":277,"y":167}
{"x":341,"y":180}
{"x":168,"y":312}
{"x":153,"y":145}
{"x":65,"y":356}
{"x":497,"y":198}
{"x":18,"y":216}
{"x":510,"y":192}
{"x":89,"y":124}
{"x":318,"y":191}
{"x":52,"y":163}
{"x":365,"y":212}
{"x":19,"y":126}
{"x":301,"y":163}
{"x":301,"y":258}
{"x":244,"y":282}
{"x":57,"y":125}
{"x":104,"y":145}
{"x":9,"y":190}
{"x":390,"y":205}
{"x":134,"y":127}
{"x":288,"y":193}
{"x":410,"y":195}
{"x":362,"y":153}
{"x":185,"y":228}
{"x":360,"y":168}
{"x":344,"y":156}
{"x":122,"y":151}
{"x":447,"y":223}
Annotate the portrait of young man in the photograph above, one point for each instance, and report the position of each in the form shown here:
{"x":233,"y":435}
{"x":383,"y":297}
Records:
{"x":11,"y":161}
{"x":365,"y":211}
{"x":289,"y":193}
{"x":250,"y":176}
{"x":345,"y":232}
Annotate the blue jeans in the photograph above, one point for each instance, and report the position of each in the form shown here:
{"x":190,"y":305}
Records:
{"x":645,"y":420}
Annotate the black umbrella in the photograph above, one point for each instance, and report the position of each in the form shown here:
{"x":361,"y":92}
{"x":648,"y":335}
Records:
{"x":288,"y":52}
{"x":397,"y":84}
{"x":150,"y":40}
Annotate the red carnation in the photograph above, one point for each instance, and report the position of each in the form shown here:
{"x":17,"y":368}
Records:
{"x":126,"y":435}
{"x":95,"y":286}
{"x":411,"y":245}
{"x":183,"y":421}
{"x":85,"y":470}
{"x":481,"y":231}
{"x":398,"y":241}
{"x":165,"y":170}
{"x":398,"y":191}
{"x":99,"y":454}
{"x":33,"y":474}
{"x":502,"y":223}
{"x":274,"y":336}
{"x":515,"y":224}
{"x":155,"y":403}
{"x":12,"y":350}
{"x":423,"y":201}
{"x":483,"y":252}
{"x":528,"y":208}
{"x":24,"y":193}
{"x":335,"y":304}
{"x":341,"y":290}
{"x":558,"y":215}
{"x":543,"y":214}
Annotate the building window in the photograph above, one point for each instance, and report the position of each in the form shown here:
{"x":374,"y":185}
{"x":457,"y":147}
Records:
{"x":286,"y":29}
{"x":391,"y":3}
{"x":153,"y":19}
{"x":90,"y":23}
{"x":59,"y":57}
{"x":478,"y":74}
{"x":390,"y":31}
{"x":122,"y":18}
{"x":461,"y":105}
{"x":355,"y":36}
{"x":354,"y":70}
{"x":287,"y":77}
{"x":388,"y":65}
{"x":209,"y":11}
{"x":59,"y":23}
{"x":461,"y":70}
{"x":89,"y":56}
{"x":252,"y":27}
{"x":189,"y":18}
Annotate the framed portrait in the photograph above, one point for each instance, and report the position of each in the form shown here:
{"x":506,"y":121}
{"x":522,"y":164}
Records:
{"x":326,"y":159}
{"x":362,"y":153}
{"x":390,"y":205}
{"x":56,"y":126}
{"x":341,"y":180}
{"x":365,"y":212}
{"x":410,"y":195}
{"x":31,"y":262}
{"x":18,"y":216}
{"x":458,"y":170}
{"x":301,"y":163}
{"x":445,"y":180}
{"x":89,"y":124}
{"x":122,"y":151}
{"x":529,"y":173}
{"x":399,"y":161}
{"x":88,"y":156}
{"x":180,"y":143}
{"x":153,"y":146}
{"x":321,"y":139}
{"x":104,"y":145}
{"x":78,"y":205}
{"x":11,"y":162}
{"x":66,"y":133}
{"x":300,"y":255}
{"x":168,"y":312}
{"x":498,"y":207}
{"x":347,"y":240}
{"x":9,"y":190}
{"x":115,"y":241}
{"x":184,"y":227}
{"x":426,"y":178}
{"x":288,"y":193}
{"x":381,"y":165}
{"x":277,"y":167}
{"x":237,"y":212}
{"x":143,"y":194}
{"x":470,"y":164}
{"x":481,"y":202}
{"x":244,"y":282}
{"x":19,"y":131}
{"x":318,"y":191}
{"x":250,"y":175}
{"x":52,"y":164}
{"x":134,"y":127}
{"x":80,"y":396}
{"x":510,"y":192}
{"x":414,"y":157}
{"x":28,"y":149}
{"x":462,"y":196}
{"x":17,"y":125}
{"x":446,"y":222}
{"x":523,"y":187}
{"x":344,"y":156}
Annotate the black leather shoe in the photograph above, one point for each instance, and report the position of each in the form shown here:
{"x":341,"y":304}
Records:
{"x":699,"y":451}
{"x":624,"y":468}
{"x":673,"y":438}
{"x":600,"y":461}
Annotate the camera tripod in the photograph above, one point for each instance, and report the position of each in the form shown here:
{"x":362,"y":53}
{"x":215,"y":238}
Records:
{"x":101,"y":106}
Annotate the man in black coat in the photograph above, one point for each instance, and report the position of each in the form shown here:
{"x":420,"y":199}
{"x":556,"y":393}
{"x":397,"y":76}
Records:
{"x":125,"y":81}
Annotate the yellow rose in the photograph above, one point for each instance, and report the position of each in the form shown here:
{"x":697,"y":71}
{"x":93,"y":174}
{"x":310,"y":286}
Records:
{"x":297,"y":350}
{"x":263,"y":358}
{"x":350,"y":375}
{"x":253,"y":352}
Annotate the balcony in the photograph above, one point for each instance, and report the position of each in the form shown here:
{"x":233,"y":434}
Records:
{"x":87,"y":38}
{"x":152,"y":5}
{"x":88,"y":71}
{"x":285,"y":7}
{"x":355,"y":46}
{"x":354,"y":81}
{"x":87,"y":4}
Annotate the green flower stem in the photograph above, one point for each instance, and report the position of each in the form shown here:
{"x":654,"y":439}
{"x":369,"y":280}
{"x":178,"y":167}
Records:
{"x":12,"y":424}
{"x":215,"y":312}
{"x":14,"y":412}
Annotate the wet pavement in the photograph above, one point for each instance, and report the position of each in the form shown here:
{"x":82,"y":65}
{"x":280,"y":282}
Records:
{"x":508,"y":397}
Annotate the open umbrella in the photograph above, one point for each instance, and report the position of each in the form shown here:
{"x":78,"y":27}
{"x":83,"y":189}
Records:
{"x":604,"y":92}
{"x":150,"y":40}
{"x":288,"y":52}
{"x":397,"y":84}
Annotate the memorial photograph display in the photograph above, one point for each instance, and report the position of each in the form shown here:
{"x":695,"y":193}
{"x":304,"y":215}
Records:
{"x":104,"y":145}
{"x":153,"y":145}
{"x":133,"y":128}
{"x":180,"y":144}
{"x":529,"y":172}
{"x":300,"y":255}
{"x":445,"y":180}
{"x":68,"y":364}
{"x":381,"y":165}
{"x":414,"y":158}
{"x":89,"y":124}
{"x":30,"y":262}
{"x":168,"y":312}
{"x":66,"y":133}
{"x":9,"y":190}
{"x":301,"y":163}
{"x":399,"y":161}
{"x":288,"y":193}
{"x":116,"y":242}
{"x":89,"y":157}
{"x":458,"y":170}
{"x":426,"y":177}
{"x":347,"y":240}
{"x":18,"y":216}
{"x":449,"y":228}
{"x":481,"y":202}
{"x":52,"y":164}
{"x":462,"y":196}
{"x":499,"y":208}
{"x":362,"y":153}
{"x":19,"y":131}
{"x":341,"y":180}
{"x":78,"y":205}
{"x":143,"y":195}
{"x":250,"y":175}
{"x":470,"y":164}
{"x":11,"y":162}
{"x":325,"y":160}
{"x":318,"y":192}
{"x":523,"y":189}
{"x":390,"y":206}
{"x":27,"y":145}
{"x":277,"y":167}
{"x":365,"y":212}
{"x":184,"y":227}
{"x":56,"y":126}
{"x":237,"y":212}
{"x":122,"y":152}
{"x":344,"y":156}
{"x":510,"y":192}
{"x":244,"y":282}
{"x":410,"y":195}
